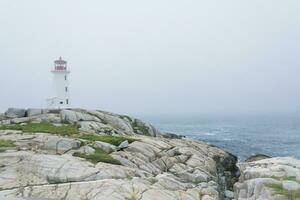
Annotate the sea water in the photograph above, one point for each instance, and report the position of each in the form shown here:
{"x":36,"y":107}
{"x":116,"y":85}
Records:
{"x":244,"y":135}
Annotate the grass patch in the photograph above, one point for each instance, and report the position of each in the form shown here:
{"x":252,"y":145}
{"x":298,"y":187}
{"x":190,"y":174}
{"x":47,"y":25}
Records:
{"x":114,"y":140}
{"x":289,"y":178}
{"x":126,"y":117}
{"x":98,"y":156}
{"x":6,"y":143}
{"x":65,"y":129}
{"x":291,"y":195}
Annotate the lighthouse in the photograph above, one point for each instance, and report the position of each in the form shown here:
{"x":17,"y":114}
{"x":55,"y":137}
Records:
{"x":61,"y":97}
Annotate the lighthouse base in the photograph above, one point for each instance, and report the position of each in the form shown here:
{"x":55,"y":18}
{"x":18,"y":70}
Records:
{"x":57,"y":103}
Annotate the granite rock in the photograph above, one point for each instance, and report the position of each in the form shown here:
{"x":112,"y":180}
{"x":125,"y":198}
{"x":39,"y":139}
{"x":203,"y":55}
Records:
{"x":15,"y":112}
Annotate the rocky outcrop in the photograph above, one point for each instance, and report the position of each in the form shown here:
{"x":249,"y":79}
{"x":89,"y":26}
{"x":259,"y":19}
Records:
{"x":74,"y":154}
{"x":43,"y":165}
{"x":167,"y":168}
{"x":90,"y":121}
{"x":256,"y":157}
{"x":272,"y":178}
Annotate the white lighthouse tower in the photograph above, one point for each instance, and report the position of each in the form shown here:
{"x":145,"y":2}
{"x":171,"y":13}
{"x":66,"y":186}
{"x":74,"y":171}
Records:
{"x":61,"y":98}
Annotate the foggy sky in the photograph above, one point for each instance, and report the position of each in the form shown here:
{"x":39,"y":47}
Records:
{"x":153,"y":57}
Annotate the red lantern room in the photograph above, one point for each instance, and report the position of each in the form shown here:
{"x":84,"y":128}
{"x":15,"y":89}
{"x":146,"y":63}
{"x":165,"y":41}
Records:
{"x":60,"y":65}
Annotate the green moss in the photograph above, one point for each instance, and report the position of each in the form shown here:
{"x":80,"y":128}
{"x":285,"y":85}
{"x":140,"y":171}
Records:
{"x":291,"y":195}
{"x":65,"y":129}
{"x":114,"y":140}
{"x":152,"y":180}
{"x":137,"y":127}
{"x":6,"y":143}
{"x":133,"y":197}
{"x":98,"y":156}
{"x":126,"y":117}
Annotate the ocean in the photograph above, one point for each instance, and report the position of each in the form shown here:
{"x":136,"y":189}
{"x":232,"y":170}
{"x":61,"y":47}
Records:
{"x":273,"y":135}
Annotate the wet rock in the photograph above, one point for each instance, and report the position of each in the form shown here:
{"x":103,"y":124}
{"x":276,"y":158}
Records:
{"x":256,"y":157}
{"x":171,"y":135}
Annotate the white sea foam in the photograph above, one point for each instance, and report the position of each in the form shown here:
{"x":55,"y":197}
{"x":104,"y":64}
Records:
{"x":226,"y":139}
{"x":208,"y":133}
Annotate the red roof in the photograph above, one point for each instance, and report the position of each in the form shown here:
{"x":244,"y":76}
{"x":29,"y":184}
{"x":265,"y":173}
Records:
{"x":60,"y":61}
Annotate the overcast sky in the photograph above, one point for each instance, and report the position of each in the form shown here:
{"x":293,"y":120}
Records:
{"x":154,"y":57}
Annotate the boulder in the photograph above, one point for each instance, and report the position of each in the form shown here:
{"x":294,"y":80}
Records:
{"x":96,"y":127}
{"x":5,"y":122}
{"x":256,"y":157}
{"x":171,"y":182}
{"x":15,"y":112}
{"x":2,"y":117}
{"x":86,"y":150}
{"x":33,"y":111}
{"x":143,"y":128}
{"x":114,"y":121}
{"x":108,"y":148}
{"x":171,"y":135}
{"x":229,"y":194}
{"x":108,"y":171}
{"x":57,"y":144}
{"x":148,"y":151}
{"x":58,"y":169}
{"x":20,"y":120}
{"x":195,"y":177}
{"x":46,"y":118}
{"x":123,"y":145}
{"x":75,"y":116}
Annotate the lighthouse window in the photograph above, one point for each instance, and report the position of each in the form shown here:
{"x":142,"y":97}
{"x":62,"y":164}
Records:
{"x":61,"y":102}
{"x":65,"y":78}
{"x":67,"y":101}
{"x":66,"y":88}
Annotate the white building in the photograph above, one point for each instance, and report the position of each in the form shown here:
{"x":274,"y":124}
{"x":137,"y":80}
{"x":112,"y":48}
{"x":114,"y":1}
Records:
{"x":61,"y":97}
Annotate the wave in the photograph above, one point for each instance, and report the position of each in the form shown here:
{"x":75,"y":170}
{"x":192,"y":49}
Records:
{"x":208,"y":133}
